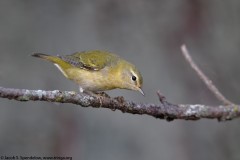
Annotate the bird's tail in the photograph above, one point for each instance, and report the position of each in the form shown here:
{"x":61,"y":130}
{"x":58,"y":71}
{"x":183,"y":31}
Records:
{"x":58,"y":62}
{"x":53,"y":59}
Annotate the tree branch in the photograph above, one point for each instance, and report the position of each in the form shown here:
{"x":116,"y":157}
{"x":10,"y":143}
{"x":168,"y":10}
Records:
{"x":163,"y":110}
{"x":203,"y":77}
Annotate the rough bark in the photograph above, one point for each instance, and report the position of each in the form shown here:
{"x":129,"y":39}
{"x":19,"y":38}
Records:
{"x":163,"y":110}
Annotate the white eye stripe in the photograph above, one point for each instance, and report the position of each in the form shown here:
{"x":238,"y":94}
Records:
{"x":133,"y":76}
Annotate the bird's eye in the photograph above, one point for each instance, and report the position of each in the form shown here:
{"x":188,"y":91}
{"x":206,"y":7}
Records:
{"x":134,"y":78}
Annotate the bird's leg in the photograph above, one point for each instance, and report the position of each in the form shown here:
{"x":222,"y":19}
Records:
{"x":103,"y":94}
{"x":98,"y":94}
{"x":92,"y":93}
{"x":81,"y":89}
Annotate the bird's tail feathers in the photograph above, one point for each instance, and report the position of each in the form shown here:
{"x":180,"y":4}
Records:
{"x":45,"y":56}
{"x":58,"y":62}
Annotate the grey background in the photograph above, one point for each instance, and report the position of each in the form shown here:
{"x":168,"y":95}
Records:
{"x":148,"y":34}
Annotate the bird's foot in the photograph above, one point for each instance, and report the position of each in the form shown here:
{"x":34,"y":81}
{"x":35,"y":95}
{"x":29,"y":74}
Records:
{"x":97,"y":94}
{"x":102,"y":94}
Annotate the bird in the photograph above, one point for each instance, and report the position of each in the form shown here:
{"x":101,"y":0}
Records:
{"x":97,"y":70}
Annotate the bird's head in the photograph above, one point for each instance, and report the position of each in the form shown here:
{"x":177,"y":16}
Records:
{"x":131,"y":78}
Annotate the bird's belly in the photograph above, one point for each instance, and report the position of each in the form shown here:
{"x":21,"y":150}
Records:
{"x":92,"y":80}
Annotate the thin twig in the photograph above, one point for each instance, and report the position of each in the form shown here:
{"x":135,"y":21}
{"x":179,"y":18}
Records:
{"x":164,"y":110}
{"x":161,"y":97}
{"x":204,"y":78}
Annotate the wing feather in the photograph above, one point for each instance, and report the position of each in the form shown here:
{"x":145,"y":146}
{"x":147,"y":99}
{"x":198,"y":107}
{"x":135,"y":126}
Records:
{"x":91,"y":60}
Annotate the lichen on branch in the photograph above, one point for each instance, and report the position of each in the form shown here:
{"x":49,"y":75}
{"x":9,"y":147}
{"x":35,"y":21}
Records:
{"x":163,"y":110}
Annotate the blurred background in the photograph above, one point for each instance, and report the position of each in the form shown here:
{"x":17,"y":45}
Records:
{"x":146,"y":33}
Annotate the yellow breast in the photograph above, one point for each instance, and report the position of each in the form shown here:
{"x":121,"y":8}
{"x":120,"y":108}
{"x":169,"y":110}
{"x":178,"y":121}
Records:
{"x":93,"y":80}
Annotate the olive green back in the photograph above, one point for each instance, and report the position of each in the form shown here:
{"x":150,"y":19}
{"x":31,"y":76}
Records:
{"x":91,"y":60}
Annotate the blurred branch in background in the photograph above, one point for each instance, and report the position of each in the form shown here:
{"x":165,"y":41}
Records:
{"x":164,"y":110}
{"x":203,"y":77}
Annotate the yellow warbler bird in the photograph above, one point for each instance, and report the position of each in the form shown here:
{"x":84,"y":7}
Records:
{"x":97,"y":70}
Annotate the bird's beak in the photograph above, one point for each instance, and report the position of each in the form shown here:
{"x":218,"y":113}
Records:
{"x":141,"y":91}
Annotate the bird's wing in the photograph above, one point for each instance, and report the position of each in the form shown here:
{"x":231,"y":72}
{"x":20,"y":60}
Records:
{"x":90,"y":60}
